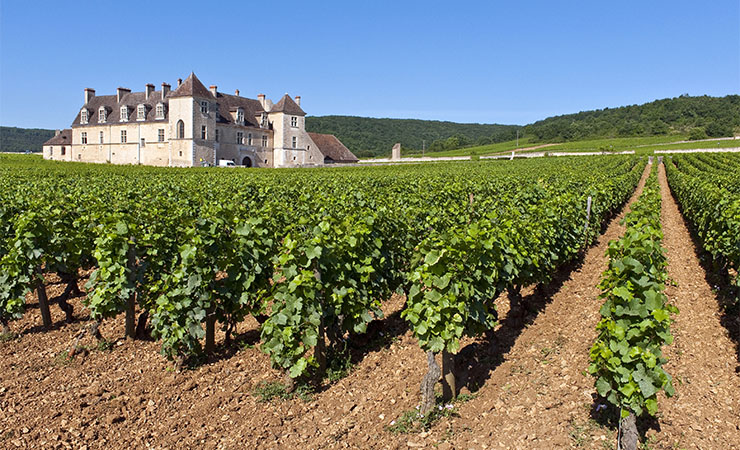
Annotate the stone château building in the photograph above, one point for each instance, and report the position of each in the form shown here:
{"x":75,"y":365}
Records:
{"x":193,"y":126}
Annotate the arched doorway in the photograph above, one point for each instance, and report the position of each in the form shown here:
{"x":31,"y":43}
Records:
{"x":247,"y":161}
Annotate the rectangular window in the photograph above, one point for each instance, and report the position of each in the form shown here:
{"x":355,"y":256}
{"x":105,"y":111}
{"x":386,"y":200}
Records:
{"x":160,"y":111}
{"x":83,"y":116}
{"x":64,"y":151}
{"x":123,"y":136}
{"x":204,"y":107}
{"x":143,"y":142}
{"x":294,"y":121}
{"x":249,"y":139}
{"x":216,"y":136}
{"x":51,"y":151}
{"x":101,"y":137}
{"x":203,"y":132}
{"x":295,"y":142}
{"x":84,"y":137}
{"x":141,"y":112}
{"x":239,"y":137}
{"x":160,"y":135}
{"x":124,"y":114}
{"x":264,"y":141}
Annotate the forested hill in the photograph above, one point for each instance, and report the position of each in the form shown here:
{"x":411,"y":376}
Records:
{"x":14,"y":139}
{"x":371,"y":137}
{"x":698,"y":116}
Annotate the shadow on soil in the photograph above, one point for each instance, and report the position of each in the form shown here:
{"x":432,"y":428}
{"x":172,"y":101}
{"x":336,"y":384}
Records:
{"x":476,"y":362}
{"x":607,"y":415}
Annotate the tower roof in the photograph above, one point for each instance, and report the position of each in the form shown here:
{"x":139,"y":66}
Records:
{"x":191,"y":87}
{"x":288,"y":106}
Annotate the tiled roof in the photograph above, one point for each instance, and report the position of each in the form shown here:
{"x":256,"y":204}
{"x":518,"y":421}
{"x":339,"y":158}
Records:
{"x":288,"y":106}
{"x":192,"y":87}
{"x":332,"y":148}
{"x":63,"y":138}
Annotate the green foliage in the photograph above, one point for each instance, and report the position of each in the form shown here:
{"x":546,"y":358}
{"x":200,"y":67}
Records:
{"x":626,"y":359}
{"x":707,"y":188}
{"x":697,"y":133}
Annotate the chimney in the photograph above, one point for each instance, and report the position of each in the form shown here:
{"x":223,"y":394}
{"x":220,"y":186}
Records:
{"x":120,"y":92}
{"x":236,"y":92}
{"x":165,"y":90}
{"x":214,"y":89}
{"x":261,"y":98}
{"x":149,"y":88}
{"x":89,"y":94}
{"x":179,"y":82}
{"x":298,"y":100}
{"x":57,"y":132}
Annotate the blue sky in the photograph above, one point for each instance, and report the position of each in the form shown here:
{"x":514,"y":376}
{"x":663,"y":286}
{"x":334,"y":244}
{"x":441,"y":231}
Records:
{"x":511,"y":62}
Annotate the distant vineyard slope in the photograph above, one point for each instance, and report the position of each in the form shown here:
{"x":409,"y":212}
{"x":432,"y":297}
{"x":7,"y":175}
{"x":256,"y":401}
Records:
{"x":14,"y":139}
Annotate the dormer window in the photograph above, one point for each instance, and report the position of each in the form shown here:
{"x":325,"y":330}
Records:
{"x":160,"y":110}
{"x":263,"y":120}
{"x":294,"y":121}
{"x":101,"y":114}
{"x":240,"y":116}
{"x":204,"y":107}
{"x":141,"y":112}
{"x":124,"y":113}
{"x":83,"y":116}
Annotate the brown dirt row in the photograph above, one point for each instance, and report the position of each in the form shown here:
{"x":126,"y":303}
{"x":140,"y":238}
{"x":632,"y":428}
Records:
{"x":705,"y":412}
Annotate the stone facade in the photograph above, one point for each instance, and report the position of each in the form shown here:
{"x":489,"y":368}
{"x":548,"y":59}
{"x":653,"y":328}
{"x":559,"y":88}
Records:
{"x":187,"y":127}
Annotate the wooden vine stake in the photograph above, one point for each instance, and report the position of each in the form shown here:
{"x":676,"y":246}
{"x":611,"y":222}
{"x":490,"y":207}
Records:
{"x":320,"y":349}
{"x":131,"y":301}
{"x":43,"y":299}
{"x":449,"y":387}
{"x":210,"y":332}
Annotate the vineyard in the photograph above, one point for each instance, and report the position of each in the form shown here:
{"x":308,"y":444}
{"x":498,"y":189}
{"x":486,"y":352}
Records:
{"x":312,"y":274}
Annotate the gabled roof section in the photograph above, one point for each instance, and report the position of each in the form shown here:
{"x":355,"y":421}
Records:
{"x":191,"y":87}
{"x":228,"y":103}
{"x":332,"y":148}
{"x":63,"y":138}
{"x":288,"y":106}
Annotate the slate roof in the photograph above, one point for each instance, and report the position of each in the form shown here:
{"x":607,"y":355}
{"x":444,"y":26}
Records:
{"x":332,"y":148}
{"x":63,"y":138}
{"x":288,"y":106}
{"x":132,"y":100}
{"x":192,"y":87}
{"x":228,"y":103}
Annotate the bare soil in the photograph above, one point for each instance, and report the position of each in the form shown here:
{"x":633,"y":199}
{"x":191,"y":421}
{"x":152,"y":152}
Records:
{"x":528,"y":381}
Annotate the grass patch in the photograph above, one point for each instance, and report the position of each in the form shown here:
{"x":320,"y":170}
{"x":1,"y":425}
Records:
{"x":413,"y":421}
{"x":7,"y":337}
{"x":267,"y":391}
{"x":105,"y":345}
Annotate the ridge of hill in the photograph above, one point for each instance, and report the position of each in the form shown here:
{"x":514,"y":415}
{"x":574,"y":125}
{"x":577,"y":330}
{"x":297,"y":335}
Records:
{"x":697,"y":117}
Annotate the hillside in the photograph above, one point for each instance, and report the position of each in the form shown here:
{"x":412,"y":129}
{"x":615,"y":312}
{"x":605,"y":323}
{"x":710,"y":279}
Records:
{"x":368,"y":137}
{"x":14,"y":139}
{"x":699,"y":117}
